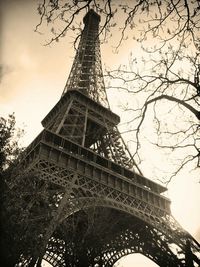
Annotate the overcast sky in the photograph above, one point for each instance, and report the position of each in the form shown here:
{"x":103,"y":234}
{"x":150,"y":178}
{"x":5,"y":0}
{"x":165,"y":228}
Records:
{"x":33,"y":78}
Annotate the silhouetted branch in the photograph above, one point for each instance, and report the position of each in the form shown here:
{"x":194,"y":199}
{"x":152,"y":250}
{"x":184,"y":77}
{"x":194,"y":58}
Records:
{"x":167,"y":81}
{"x":149,"y":18}
{"x":171,"y":98}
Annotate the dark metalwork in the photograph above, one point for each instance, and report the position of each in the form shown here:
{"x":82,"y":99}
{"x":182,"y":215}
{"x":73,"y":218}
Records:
{"x":86,"y":72}
{"x":83,"y":200}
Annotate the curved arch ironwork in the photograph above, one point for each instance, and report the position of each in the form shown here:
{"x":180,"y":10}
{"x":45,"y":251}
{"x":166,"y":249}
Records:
{"x":147,"y":241}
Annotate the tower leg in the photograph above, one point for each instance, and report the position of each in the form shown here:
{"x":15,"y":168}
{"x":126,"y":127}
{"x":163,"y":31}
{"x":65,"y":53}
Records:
{"x":188,"y":255}
{"x":33,"y":262}
{"x":39,"y":263}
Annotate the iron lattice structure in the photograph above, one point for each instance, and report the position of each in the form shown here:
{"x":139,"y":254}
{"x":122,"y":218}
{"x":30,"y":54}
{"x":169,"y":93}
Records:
{"x":81,"y":200}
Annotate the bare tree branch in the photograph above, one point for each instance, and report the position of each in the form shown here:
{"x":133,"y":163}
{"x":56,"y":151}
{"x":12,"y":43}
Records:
{"x":171,"y":98}
{"x":149,"y":18}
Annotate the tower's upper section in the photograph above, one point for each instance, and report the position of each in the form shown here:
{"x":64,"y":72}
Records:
{"x":86,"y":73}
{"x":92,"y":19}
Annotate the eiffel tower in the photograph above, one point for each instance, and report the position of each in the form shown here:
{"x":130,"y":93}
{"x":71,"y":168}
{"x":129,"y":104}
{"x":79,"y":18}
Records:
{"x":82,"y":200}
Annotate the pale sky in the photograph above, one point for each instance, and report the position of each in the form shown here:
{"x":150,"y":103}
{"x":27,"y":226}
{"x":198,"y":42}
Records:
{"x":33,"y":78}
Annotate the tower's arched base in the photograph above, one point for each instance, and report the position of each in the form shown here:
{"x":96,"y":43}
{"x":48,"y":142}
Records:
{"x":102,"y":236}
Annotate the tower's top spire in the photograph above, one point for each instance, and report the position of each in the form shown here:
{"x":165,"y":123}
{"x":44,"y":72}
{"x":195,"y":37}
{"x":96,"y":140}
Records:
{"x":91,"y":15}
{"x":86,"y":73}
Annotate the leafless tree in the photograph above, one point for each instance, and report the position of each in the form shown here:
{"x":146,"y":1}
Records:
{"x":164,"y":20}
{"x":166,"y":86}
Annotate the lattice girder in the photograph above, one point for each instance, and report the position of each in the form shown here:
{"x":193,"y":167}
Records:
{"x":53,"y":147}
{"x":122,"y":237}
{"x":60,"y":158}
{"x":97,"y":183}
{"x":87,"y":123}
{"x":109,"y":198}
{"x":86,"y":73}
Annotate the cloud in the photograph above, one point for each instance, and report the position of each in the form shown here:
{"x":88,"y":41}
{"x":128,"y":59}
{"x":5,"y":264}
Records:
{"x":4,"y":70}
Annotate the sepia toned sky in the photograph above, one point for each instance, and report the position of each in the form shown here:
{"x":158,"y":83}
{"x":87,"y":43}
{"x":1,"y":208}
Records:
{"x":33,"y":78}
